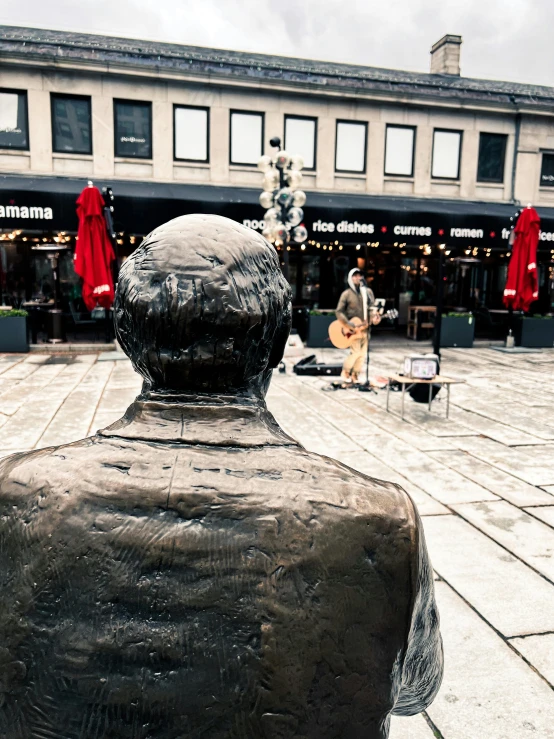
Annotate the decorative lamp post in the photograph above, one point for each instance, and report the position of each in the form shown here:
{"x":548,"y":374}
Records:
{"x":283,"y":200}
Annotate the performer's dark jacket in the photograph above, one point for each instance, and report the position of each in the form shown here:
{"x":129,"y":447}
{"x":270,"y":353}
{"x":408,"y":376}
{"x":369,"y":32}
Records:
{"x":351,"y":305}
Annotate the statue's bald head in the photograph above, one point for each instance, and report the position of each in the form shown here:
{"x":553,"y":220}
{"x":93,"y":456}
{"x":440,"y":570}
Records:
{"x":202,"y":306}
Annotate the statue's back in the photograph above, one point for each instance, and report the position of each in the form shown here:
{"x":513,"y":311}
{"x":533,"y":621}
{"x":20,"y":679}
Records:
{"x":202,"y":592}
{"x":191,"y":572}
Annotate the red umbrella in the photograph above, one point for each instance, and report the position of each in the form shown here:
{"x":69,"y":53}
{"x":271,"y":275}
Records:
{"x":522,"y":285}
{"x":94,"y":253}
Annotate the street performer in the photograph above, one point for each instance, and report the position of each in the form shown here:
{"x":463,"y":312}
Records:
{"x":355,"y":302}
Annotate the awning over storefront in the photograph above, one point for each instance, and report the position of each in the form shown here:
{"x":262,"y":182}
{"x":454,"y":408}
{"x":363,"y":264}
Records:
{"x":48,"y":203}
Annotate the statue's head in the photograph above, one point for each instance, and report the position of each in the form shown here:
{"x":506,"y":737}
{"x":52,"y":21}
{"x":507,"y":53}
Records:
{"x":202,"y":306}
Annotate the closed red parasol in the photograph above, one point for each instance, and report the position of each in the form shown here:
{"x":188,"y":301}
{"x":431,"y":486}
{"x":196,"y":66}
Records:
{"x":522,"y":286}
{"x":94,"y":253}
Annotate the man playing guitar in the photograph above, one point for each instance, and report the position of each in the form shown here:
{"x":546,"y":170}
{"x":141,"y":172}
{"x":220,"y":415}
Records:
{"x":355,"y":303}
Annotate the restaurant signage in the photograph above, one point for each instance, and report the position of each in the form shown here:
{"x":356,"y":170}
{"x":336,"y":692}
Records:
{"x":44,"y":208}
{"x":24,"y":212}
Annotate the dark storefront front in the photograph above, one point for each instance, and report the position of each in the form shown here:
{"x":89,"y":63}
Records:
{"x":394,"y":240}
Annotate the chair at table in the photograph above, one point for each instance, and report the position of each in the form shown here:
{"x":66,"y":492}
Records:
{"x":81,"y":319}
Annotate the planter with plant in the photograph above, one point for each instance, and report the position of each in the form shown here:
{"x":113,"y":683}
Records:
{"x":534,"y":331}
{"x":457,"y":330}
{"x":318,"y":328}
{"x":13,"y":331}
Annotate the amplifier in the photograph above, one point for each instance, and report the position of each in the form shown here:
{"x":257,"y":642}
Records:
{"x":421,"y":366}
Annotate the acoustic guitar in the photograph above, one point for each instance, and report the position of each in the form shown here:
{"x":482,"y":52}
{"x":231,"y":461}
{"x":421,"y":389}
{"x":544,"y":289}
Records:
{"x":342,"y":336}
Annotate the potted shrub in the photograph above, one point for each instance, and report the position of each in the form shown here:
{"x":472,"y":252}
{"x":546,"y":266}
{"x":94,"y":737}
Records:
{"x":13,"y":331}
{"x":534,"y":331}
{"x":318,"y":328}
{"x":457,"y":329}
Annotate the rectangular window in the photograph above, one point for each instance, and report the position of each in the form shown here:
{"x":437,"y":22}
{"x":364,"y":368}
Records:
{"x":351,"y":145}
{"x":191,"y":131}
{"x":447,"y":147}
{"x":133,"y":129}
{"x":14,"y":126}
{"x":300,"y":138}
{"x":399,"y":151}
{"x":492,"y":154}
{"x":71,"y":124}
{"x":247,"y":137}
{"x":547,"y":170}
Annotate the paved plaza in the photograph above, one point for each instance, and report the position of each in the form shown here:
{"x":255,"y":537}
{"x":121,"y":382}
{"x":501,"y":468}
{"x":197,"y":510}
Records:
{"x":483,"y":481}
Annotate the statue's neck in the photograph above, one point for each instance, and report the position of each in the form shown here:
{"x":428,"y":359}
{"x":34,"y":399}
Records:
{"x":245,"y":398}
{"x":217,"y":420}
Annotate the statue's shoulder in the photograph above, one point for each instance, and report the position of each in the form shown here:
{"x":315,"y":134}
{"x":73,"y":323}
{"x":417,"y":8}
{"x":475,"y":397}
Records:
{"x":43,"y":471}
{"x":361,"y":488}
{"x":358,"y":495}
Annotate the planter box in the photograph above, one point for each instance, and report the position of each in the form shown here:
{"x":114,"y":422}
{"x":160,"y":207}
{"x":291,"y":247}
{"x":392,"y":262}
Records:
{"x":13,"y":334}
{"x":534,"y":332}
{"x":318,"y":330}
{"x":458,"y":332}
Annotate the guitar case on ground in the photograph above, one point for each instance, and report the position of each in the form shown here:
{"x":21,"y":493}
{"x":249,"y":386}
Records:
{"x":310,"y":366}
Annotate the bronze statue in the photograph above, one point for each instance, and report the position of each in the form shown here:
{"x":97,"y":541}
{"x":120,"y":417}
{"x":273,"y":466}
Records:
{"x":191,"y":571}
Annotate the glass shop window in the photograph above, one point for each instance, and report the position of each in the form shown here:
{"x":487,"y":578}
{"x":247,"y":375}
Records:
{"x":14,"y":127}
{"x":399,"y":151}
{"x":447,"y":146}
{"x":191,"y":126}
{"x":247,"y":135}
{"x":492,"y":155}
{"x":351,"y":146}
{"x":133,"y":129}
{"x":71,"y":124}
{"x":300,"y":138}
{"x":547,"y":170}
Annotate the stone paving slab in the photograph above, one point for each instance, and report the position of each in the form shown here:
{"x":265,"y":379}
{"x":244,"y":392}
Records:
{"x":493,"y":429}
{"x":74,"y":418}
{"x":20,"y":370}
{"x":410,"y":727}
{"x":416,"y":437}
{"x":538,"y":651}
{"x":545,"y":513}
{"x":13,"y":397}
{"x":27,"y":424}
{"x":311,"y":430}
{"x":488,"y":692}
{"x":521,"y":534}
{"x":508,"y":594}
{"x":509,"y":459}
{"x":506,"y":486}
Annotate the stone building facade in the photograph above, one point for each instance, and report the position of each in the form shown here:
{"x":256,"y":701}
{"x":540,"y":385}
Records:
{"x":45,"y":64}
{"x":409,"y":157}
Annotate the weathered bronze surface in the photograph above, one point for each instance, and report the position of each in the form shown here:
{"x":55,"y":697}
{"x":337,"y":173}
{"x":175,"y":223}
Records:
{"x":191,"y":571}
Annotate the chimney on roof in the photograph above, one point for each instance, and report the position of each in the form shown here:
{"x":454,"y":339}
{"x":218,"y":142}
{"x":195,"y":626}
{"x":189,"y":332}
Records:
{"x":445,"y":55}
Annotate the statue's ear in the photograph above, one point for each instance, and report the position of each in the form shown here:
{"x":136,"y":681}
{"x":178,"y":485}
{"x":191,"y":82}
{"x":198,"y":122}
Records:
{"x":281,"y":337}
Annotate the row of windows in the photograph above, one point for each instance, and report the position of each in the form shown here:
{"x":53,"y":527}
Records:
{"x":72,"y":133}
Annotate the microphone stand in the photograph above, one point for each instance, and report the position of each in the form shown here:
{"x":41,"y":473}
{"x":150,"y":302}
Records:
{"x":365,"y":387}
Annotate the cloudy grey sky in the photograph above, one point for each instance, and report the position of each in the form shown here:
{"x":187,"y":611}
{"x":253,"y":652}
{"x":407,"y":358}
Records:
{"x":503,"y":39}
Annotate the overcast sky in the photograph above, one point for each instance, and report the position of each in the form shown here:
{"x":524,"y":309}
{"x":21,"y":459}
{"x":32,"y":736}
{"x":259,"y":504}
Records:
{"x":502,"y":39}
